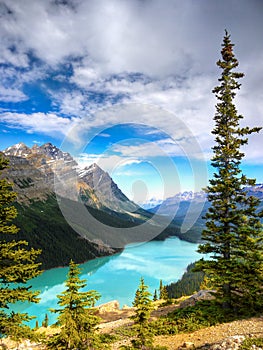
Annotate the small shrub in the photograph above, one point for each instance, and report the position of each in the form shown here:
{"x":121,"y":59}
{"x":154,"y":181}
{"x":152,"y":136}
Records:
{"x":249,"y":342}
{"x":108,"y":338}
{"x":189,"y":319}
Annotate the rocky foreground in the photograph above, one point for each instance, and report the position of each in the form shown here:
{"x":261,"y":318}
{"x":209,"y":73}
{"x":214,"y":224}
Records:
{"x":226,"y":336}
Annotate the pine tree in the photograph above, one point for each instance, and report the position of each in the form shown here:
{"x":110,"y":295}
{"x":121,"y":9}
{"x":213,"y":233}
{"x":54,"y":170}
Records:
{"x":17,"y":266}
{"x":155,"y":296}
{"x":163,"y":294}
{"x":76,"y":316}
{"x":160,"y":289}
{"x":45,"y":321}
{"x":143,"y":307}
{"x":233,"y":234}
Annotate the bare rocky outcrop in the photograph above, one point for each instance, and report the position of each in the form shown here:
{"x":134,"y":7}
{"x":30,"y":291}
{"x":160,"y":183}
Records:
{"x":40,"y":170}
{"x":201,"y":295}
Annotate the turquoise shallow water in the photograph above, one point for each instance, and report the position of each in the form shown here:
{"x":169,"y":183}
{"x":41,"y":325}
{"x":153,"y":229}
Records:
{"x":117,"y":277}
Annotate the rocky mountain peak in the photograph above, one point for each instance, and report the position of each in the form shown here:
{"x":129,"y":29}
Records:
{"x":92,"y":184}
{"x":18,"y":150}
{"x":94,"y":168}
{"x":51,"y":151}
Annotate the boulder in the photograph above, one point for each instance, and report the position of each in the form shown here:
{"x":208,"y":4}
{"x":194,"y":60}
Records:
{"x":201,"y":295}
{"x":111,"y":306}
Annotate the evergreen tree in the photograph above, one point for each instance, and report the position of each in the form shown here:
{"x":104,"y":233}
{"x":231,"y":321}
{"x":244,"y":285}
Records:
{"x":17,"y":266}
{"x":45,"y":321}
{"x":155,"y":296}
{"x":76,"y":316}
{"x":160,"y":289}
{"x":164,"y":293}
{"x":143,"y":307}
{"x":233,"y":234}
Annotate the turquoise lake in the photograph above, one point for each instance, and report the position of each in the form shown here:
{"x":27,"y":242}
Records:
{"x":117,"y":277}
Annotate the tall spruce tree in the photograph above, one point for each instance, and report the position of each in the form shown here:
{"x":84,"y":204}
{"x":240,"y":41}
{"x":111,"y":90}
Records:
{"x":233,"y":234}
{"x":17,"y":266}
{"x":143,"y":307}
{"x":76,"y":316}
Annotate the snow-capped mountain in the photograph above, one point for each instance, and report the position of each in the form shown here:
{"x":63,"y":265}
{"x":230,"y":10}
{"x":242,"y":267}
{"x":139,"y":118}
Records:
{"x":57,"y":171}
{"x":106,"y":189}
{"x":154,"y":204}
{"x":151,"y":203}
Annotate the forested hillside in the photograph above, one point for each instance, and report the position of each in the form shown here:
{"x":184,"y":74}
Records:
{"x":188,"y":284}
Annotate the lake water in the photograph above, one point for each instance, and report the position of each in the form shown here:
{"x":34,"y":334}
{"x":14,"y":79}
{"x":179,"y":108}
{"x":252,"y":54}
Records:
{"x":117,"y":277}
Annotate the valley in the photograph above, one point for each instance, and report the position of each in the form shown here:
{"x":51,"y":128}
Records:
{"x":70,"y":212}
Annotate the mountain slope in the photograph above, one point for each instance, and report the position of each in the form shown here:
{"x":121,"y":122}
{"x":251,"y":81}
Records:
{"x":106,"y":190}
{"x":45,"y":228}
{"x":87,"y":217}
{"x":188,"y":209}
{"x":62,"y":175}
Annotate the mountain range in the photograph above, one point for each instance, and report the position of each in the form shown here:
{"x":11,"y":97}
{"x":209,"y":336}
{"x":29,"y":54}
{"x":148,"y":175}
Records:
{"x":74,"y":213}
{"x":80,"y":214}
{"x":187,"y":209}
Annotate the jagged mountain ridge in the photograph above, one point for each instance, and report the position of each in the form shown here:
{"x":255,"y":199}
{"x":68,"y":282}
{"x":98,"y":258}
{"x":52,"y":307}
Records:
{"x":62,"y":175}
{"x":106,"y":189}
{"x":183,"y":207}
{"x":179,"y":203}
{"x":34,"y":173}
{"x":41,"y":171}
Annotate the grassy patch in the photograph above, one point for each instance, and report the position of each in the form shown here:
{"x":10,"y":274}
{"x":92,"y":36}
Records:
{"x":249,"y":342}
{"x":189,"y":319}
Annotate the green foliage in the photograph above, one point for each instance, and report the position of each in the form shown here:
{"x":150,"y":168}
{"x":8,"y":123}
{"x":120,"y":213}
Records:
{"x":233,"y":235}
{"x":17,"y":266}
{"x":192,"y":318}
{"x":163,"y":294}
{"x":45,"y":321}
{"x":76,"y":315}
{"x":155,"y":296}
{"x":157,"y":347}
{"x":143,"y":307}
{"x":160,"y":288}
{"x":248,"y":343}
{"x":44,"y":227}
{"x":106,"y":338}
{"x":187,"y":285}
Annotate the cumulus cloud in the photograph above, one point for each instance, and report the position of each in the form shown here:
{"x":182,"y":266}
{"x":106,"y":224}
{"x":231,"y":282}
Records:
{"x":130,"y":36}
{"x":12,"y":95}
{"x":144,"y":52}
{"x":46,"y":123}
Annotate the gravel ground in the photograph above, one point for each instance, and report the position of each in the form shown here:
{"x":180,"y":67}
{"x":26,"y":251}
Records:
{"x":227,"y":336}
{"x":207,"y":337}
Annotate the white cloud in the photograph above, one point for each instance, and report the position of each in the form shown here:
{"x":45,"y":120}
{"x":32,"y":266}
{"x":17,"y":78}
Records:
{"x":12,"y":95}
{"x":130,"y":36}
{"x":174,"y":47}
{"x":49,"y":124}
{"x":108,"y":162}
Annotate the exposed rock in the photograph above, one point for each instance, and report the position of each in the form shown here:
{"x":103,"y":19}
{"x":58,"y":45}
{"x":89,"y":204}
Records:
{"x":111,"y":306}
{"x":187,"y":345}
{"x":230,"y":343}
{"x":201,"y":295}
{"x":60,"y":173}
{"x":106,"y":189}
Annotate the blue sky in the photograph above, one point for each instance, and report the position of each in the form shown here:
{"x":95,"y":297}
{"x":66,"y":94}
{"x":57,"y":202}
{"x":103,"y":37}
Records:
{"x":127,"y":83}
